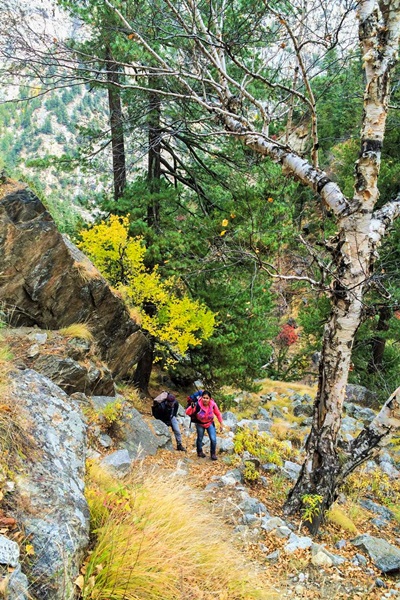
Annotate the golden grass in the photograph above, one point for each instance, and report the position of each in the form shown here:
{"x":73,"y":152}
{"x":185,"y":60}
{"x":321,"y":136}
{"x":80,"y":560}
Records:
{"x":339,"y":518}
{"x":132,"y":396}
{"x":87,"y":271}
{"x":135,"y":315}
{"x":77,"y":330}
{"x":284,"y":387}
{"x":157,"y":540}
{"x":15,"y":442}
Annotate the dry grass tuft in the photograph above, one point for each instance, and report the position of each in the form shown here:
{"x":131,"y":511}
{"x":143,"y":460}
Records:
{"x":77,"y":330}
{"x":135,"y":315}
{"x":15,"y":443}
{"x":87,"y":271}
{"x":155,"y":540}
{"x":339,"y":518}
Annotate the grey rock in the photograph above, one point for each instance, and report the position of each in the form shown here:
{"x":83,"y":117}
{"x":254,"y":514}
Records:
{"x":380,"y":583}
{"x":105,"y":440}
{"x":282,"y":532}
{"x":360,"y":413}
{"x":321,"y":559}
{"x":226,"y":445}
{"x":377,"y":509}
{"x":349,"y":425}
{"x":9,"y":552}
{"x":232,"y":477}
{"x":99,"y":381}
{"x":118,"y":462}
{"x":162,"y":433}
{"x":73,"y":377}
{"x":385,"y":456}
{"x":385,"y":556}
{"x":380,"y":522}
{"x":68,"y":374}
{"x":305,"y":410}
{"x":273,"y":557}
{"x":292,"y":469}
{"x":39,"y":338}
{"x":271,"y":523}
{"x":252,"y":505}
{"x":390,"y":470}
{"x":297,"y":543}
{"x":340,"y":544}
{"x":270,"y":467}
{"x":258,"y":425}
{"x":230,"y":419}
{"x":53,"y":486}
{"x":361,"y":559}
{"x":78,"y":349}
{"x":264,"y":413}
{"x":359,"y":394}
{"x":277,"y":413}
{"x":307,"y":422}
{"x":249,"y":519}
{"x":181,"y":412}
{"x":334,"y":559}
{"x":136,"y":435}
{"x":18,"y":585}
{"x":33,"y":351}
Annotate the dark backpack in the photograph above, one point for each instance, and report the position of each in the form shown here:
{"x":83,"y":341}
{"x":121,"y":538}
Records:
{"x":192,"y":399}
{"x":156,"y":409}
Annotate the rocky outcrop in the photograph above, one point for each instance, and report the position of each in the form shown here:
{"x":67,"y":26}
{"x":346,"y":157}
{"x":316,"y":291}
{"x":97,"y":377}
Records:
{"x":136,"y":438}
{"x":50,"y":504}
{"x":384,"y":555}
{"x":47,"y":281}
{"x":11,"y":577}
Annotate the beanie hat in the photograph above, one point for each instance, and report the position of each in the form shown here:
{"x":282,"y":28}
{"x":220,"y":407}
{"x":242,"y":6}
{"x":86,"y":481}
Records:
{"x":171,"y":397}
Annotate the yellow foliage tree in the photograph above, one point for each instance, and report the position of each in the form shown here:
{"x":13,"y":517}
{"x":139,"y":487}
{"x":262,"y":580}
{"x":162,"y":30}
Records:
{"x":175,"y":319}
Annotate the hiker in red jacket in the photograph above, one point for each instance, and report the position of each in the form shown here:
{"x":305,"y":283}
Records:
{"x":202,"y":413}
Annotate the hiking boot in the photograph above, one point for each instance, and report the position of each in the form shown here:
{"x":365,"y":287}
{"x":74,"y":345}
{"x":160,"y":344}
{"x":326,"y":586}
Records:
{"x":201,"y":455}
{"x":181,"y":448}
{"x":214,"y":457}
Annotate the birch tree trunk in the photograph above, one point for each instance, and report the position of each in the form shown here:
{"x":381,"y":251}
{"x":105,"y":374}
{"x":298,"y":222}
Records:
{"x":322,"y":471}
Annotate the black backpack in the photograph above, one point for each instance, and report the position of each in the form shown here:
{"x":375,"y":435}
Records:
{"x":156,"y":409}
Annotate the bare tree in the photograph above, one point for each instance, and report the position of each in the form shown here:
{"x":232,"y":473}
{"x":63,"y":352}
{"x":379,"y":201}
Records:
{"x":238,"y":68}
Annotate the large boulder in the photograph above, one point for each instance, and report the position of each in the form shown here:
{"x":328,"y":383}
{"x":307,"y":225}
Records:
{"x":135,"y":434}
{"x":384,"y":555}
{"x":52,"y":508}
{"x":47,"y":281}
{"x":358,"y":394}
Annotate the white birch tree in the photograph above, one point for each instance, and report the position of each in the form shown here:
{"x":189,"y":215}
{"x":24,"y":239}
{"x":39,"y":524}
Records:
{"x":250,"y":66}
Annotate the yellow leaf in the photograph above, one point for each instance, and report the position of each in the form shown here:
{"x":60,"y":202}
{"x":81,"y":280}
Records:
{"x":225,"y":222}
{"x":29,"y":549}
{"x":223,"y":232}
{"x":270,"y":199}
{"x":79,"y":582}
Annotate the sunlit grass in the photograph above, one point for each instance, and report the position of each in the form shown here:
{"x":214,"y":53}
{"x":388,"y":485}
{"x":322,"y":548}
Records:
{"x":339,"y":518}
{"x":156,"y":540}
{"x":77,"y":330}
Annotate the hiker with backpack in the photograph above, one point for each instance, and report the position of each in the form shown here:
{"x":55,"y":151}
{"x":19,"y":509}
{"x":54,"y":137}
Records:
{"x":165,"y":408}
{"x":202,"y":409}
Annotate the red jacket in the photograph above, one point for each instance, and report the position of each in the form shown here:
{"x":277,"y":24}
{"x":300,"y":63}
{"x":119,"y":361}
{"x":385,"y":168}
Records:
{"x":205,"y":414}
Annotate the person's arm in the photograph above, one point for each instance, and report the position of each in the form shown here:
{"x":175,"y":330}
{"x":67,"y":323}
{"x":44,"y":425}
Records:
{"x":217,"y":413}
{"x":175,"y":411}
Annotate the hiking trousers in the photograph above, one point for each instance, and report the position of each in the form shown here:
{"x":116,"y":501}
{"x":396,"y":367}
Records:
{"x":212,"y":434}
{"x":176,"y":430}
